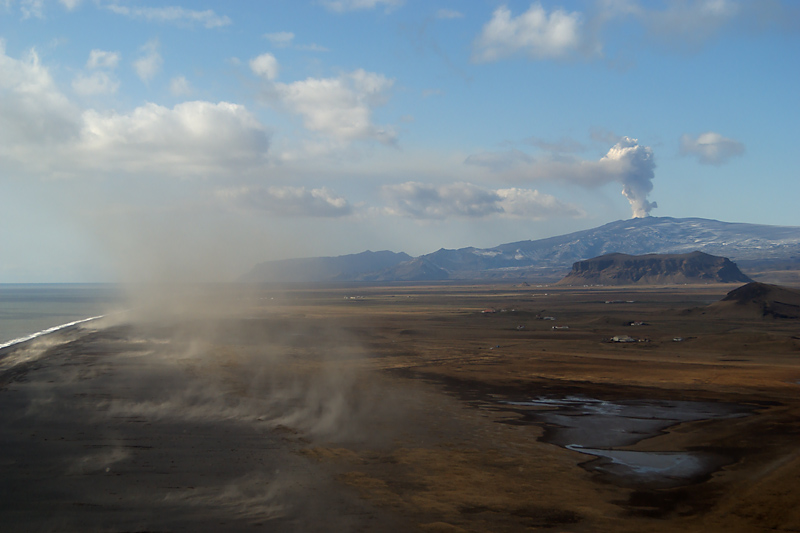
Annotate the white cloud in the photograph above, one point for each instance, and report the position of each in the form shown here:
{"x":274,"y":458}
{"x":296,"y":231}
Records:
{"x":102,"y":59}
{"x":192,"y":139}
{"x":532,"y":204}
{"x":535,"y":33}
{"x":180,"y":86}
{"x":542,"y":33}
{"x":290,"y":201}
{"x":340,"y":108}
{"x":32,"y":8}
{"x":95,"y":83}
{"x":426,"y":201}
{"x":627,"y":162}
{"x":711,"y":148}
{"x":42,"y":132}
{"x":70,"y":4}
{"x":32,"y":110}
{"x":353,"y":5}
{"x":280,"y":39}
{"x":265,"y":66}
{"x":449,"y":14}
{"x":178,"y":15}
{"x":150,"y":63}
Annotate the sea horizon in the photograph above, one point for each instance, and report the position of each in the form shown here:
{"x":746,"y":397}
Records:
{"x":29,"y":310}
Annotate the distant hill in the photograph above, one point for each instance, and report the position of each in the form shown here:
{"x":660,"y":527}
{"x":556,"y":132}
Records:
{"x":751,"y":246}
{"x":654,"y":269}
{"x":759,"y":300}
{"x":551,"y":258}
{"x":340,"y":268}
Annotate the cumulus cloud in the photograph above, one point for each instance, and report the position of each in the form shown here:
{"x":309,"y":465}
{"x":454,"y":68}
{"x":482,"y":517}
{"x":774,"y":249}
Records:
{"x":102,"y":59}
{"x":265,"y":66}
{"x":426,"y":201}
{"x":173,"y":14}
{"x":43,"y":132}
{"x":353,"y":5}
{"x":148,"y":65}
{"x":555,"y":34}
{"x":32,"y":110}
{"x":192,"y":138}
{"x":290,"y":201}
{"x":280,"y":39}
{"x":95,"y":83}
{"x":339,"y":108}
{"x":532,"y":204}
{"x":711,"y":148}
{"x":627,"y":163}
{"x":180,"y":86}
{"x":534,"y":33}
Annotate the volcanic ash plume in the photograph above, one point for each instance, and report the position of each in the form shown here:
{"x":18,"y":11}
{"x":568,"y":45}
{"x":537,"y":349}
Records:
{"x":634,"y":165}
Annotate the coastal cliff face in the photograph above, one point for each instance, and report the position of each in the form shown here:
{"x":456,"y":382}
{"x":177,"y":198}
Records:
{"x":654,"y":269}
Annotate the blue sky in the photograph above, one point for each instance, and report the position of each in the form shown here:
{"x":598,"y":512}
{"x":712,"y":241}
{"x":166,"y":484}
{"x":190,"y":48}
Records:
{"x":154,"y":141}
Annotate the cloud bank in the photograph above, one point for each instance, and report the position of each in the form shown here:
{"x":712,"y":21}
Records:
{"x":710,"y":148}
{"x":627,"y":162}
{"x":464,"y":200}
{"x":171,"y":14}
{"x":340,"y":108}
{"x":684,"y":25}
{"x":290,"y":201}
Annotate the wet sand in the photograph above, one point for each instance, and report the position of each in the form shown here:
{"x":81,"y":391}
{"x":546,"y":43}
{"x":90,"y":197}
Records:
{"x":408,"y":408}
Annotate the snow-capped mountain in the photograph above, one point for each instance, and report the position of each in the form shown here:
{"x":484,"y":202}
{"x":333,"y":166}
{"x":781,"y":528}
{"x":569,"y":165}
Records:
{"x":745,"y":244}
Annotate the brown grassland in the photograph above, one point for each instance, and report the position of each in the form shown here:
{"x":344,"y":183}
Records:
{"x":432,"y":444}
{"x":466,"y":466}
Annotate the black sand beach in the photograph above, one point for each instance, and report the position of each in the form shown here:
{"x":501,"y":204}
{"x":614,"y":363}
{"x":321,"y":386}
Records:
{"x":114,"y":431}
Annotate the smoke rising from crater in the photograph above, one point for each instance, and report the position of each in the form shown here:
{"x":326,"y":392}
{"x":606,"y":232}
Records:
{"x":635,"y":172}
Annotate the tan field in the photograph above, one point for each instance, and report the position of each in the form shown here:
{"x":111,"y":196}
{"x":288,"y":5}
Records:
{"x":416,"y":408}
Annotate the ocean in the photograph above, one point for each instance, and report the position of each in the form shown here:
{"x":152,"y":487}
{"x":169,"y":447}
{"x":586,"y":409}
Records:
{"x":27,"y":310}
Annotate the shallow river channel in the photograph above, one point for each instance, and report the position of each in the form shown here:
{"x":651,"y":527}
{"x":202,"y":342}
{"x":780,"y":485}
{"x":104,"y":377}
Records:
{"x":598,"y":428}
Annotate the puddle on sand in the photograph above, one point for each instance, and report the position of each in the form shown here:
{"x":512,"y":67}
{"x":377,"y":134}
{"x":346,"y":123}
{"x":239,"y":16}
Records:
{"x":595,"y":427}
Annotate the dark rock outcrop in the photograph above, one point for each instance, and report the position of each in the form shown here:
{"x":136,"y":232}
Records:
{"x":654,"y":269}
{"x":759,"y":300}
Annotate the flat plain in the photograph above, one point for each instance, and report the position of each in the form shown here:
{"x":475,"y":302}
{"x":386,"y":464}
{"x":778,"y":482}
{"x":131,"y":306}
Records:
{"x":439,"y":407}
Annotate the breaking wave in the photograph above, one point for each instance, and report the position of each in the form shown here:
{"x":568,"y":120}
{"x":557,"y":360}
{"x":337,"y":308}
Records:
{"x":47,"y":331}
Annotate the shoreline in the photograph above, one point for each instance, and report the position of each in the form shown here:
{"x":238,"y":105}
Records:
{"x":48,"y":331}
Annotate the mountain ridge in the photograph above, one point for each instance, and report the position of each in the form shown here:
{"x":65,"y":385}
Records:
{"x":551,"y":258}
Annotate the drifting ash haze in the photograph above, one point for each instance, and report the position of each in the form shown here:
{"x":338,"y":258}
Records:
{"x":213,"y":394}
